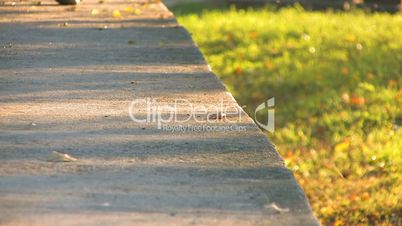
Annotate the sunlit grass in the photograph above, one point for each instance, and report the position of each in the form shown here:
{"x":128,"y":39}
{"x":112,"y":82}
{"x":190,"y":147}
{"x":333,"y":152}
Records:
{"x":336,"y":78}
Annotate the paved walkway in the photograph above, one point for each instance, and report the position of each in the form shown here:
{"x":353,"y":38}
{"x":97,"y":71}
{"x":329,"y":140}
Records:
{"x":170,"y":3}
{"x":67,"y":78}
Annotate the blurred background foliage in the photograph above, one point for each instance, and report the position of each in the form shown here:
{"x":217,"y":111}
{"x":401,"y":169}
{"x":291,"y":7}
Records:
{"x":336,"y":78}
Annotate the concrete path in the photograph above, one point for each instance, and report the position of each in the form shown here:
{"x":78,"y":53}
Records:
{"x":170,"y":3}
{"x":67,"y":78}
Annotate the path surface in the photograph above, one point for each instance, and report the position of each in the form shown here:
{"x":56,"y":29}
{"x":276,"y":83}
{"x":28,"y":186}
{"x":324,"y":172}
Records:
{"x":67,"y":78}
{"x":170,"y":3}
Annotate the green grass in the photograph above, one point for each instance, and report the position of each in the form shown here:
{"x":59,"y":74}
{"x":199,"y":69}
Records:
{"x":336,"y":78}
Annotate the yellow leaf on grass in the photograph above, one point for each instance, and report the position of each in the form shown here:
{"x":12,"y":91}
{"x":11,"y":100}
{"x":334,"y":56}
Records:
{"x":358,"y":101}
{"x":345,"y":70}
{"x":342,"y":146}
{"x":365,"y":196}
{"x":350,"y":38}
{"x":253,"y":34}
{"x":339,"y":222}
{"x":367,"y":86}
{"x":269,"y":65}
{"x":392,"y":83}
{"x":239,"y":71}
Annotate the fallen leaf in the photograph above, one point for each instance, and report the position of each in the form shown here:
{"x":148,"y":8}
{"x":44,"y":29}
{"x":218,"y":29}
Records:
{"x":253,"y":34}
{"x":239,"y":71}
{"x":342,"y":146}
{"x":367,"y":86}
{"x":392,"y":83}
{"x":60,"y":157}
{"x":116,"y":13}
{"x":359,"y":101}
{"x":137,"y":11}
{"x":370,"y":76}
{"x":365,"y":196}
{"x":350,"y":38}
{"x":339,"y":222}
{"x":345,"y":97}
{"x":94,"y":12}
{"x":345,"y":70}
{"x":276,"y":208}
{"x":128,"y":9}
{"x":269,"y":65}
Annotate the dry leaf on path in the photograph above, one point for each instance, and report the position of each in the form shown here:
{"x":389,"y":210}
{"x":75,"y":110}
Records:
{"x":60,"y":157}
{"x":116,"y":13}
{"x":94,"y":12}
{"x":276,"y":208}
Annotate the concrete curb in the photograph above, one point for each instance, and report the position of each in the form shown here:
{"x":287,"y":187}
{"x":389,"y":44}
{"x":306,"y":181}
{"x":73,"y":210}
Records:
{"x":67,"y":78}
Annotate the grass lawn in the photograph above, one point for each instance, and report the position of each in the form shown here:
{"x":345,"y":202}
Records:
{"x":336,"y":78}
